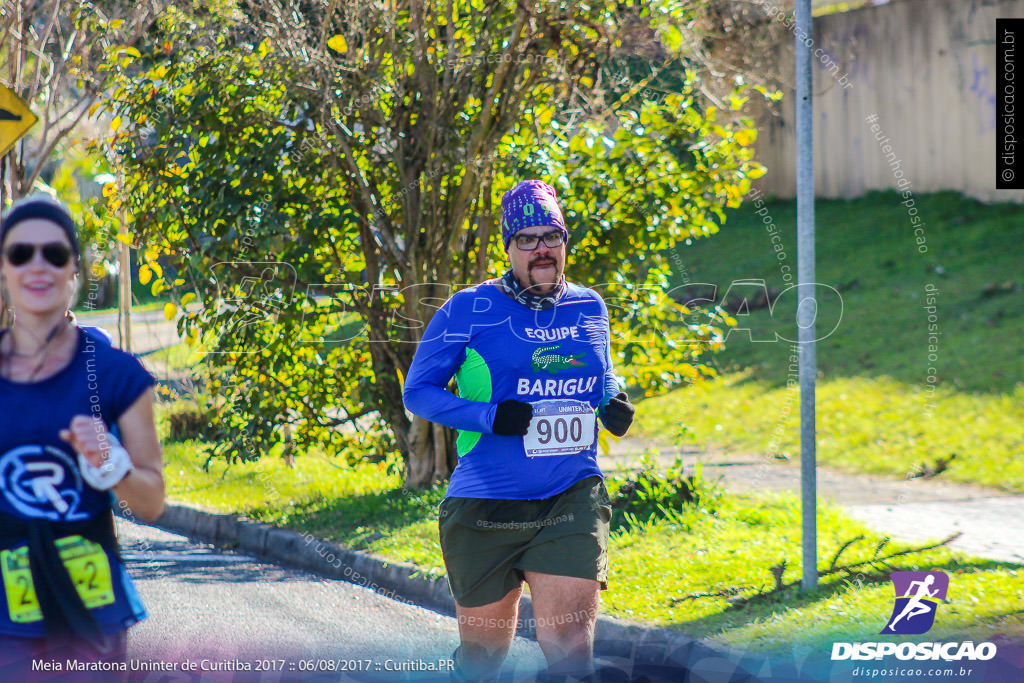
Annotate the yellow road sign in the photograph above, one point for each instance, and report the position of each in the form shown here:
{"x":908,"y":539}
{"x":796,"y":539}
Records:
{"x":15,"y":119}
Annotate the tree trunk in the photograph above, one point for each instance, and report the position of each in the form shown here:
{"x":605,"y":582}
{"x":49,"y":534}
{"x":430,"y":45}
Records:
{"x":428,"y":450}
{"x":431,"y":456}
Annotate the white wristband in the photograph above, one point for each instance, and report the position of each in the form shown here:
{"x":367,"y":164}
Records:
{"x":110,"y":473}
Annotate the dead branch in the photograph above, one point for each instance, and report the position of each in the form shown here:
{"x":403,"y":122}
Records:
{"x":733,"y":593}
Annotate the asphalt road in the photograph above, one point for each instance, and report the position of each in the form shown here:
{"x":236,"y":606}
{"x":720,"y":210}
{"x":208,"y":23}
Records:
{"x":210,"y":609}
{"x":150,"y":330}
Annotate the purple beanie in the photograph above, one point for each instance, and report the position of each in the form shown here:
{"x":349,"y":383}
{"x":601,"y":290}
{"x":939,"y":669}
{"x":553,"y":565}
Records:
{"x":528,"y":204}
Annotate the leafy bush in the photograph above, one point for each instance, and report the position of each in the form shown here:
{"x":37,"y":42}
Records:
{"x":187,"y":421}
{"x":647,"y":495}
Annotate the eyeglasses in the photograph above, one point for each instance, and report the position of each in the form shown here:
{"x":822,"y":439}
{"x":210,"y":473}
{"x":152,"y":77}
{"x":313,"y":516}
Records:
{"x":529,"y":242}
{"x":56,"y":254}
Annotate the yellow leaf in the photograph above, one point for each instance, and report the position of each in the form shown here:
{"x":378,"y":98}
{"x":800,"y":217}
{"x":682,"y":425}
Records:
{"x":125,"y":237}
{"x":745,"y":137}
{"x":755,"y":170}
{"x":115,"y":124}
{"x":145,"y":274}
{"x":188,"y":298}
{"x":338,"y":44}
{"x":170,"y":310}
{"x":156,"y":268}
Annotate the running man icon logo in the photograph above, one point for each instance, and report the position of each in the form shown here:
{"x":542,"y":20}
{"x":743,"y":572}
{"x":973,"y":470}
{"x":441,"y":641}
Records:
{"x":917,"y":598}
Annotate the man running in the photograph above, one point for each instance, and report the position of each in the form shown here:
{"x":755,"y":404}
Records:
{"x":530,"y":354}
{"x":915,"y":606}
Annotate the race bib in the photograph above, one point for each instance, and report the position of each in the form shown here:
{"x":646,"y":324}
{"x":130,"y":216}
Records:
{"x":560,"y":427}
{"x":86,"y":563}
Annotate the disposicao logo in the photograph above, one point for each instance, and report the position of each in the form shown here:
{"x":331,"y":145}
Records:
{"x":917,"y":598}
{"x":913,"y":613}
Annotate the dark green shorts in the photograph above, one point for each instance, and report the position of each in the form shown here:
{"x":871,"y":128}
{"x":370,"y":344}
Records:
{"x":489,"y":543}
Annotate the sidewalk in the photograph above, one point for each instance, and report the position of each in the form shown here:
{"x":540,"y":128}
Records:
{"x":912,"y":510}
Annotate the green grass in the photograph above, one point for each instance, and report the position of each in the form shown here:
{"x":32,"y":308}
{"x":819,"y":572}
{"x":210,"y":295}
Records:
{"x":875,"y":412}
{"x":137,"y":308}
{"x":985,"y":600}
{"x":657,"y":570}
{"x":180,"y":356}
{"x":864,"y":424}
{"x":726,"y":545}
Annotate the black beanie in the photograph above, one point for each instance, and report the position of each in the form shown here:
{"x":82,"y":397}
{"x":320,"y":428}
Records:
{"x":41,"y":206}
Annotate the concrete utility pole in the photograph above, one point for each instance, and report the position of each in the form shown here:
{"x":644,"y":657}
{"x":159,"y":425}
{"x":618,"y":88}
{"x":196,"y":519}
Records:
{"x":808,"y":308}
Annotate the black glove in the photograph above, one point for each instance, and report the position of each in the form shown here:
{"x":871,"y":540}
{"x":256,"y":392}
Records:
{"x":512,"y":418}
{"x":618,"y":414}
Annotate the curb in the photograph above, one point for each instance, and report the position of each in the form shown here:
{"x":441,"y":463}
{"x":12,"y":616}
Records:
{"x":398,"y":581}
{"x":621,"y":642}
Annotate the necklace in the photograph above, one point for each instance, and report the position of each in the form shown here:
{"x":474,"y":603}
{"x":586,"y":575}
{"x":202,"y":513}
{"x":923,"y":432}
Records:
{"x":44,"y":350}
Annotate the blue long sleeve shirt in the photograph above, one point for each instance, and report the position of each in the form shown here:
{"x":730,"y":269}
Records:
{"x":498,"y":349}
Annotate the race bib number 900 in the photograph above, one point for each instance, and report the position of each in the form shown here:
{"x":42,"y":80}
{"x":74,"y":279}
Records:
{"x":560,"y":427}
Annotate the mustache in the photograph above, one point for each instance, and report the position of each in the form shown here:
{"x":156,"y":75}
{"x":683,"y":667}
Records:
{"x":543,"y":261}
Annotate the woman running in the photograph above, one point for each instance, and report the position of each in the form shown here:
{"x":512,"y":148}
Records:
{"x":67,"y":596}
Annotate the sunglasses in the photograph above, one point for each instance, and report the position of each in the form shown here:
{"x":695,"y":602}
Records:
{"x":56,"y":254}
{"x":530,"y":242}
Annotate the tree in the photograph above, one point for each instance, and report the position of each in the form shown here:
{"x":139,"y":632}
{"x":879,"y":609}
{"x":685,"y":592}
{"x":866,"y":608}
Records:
{"x":55,"y":55}
{"x":322,"y":178}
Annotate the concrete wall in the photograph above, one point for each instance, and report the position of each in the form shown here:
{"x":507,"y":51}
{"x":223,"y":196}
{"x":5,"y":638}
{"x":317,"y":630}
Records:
{"x":926,"y":70}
